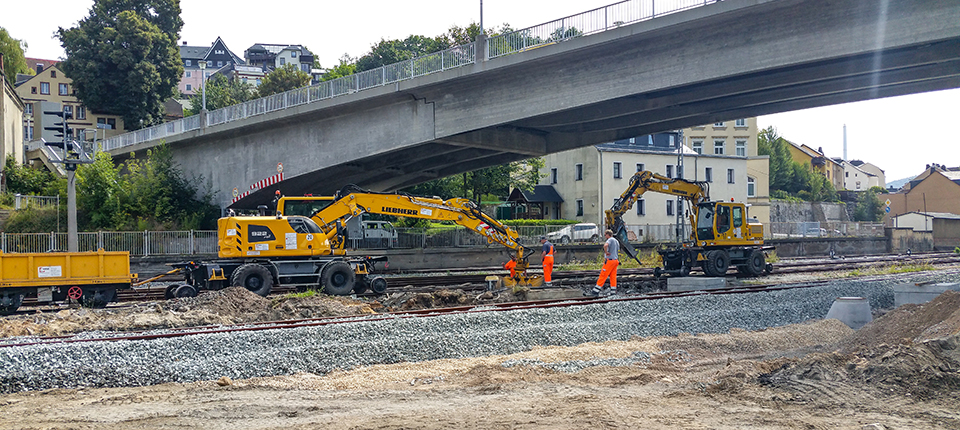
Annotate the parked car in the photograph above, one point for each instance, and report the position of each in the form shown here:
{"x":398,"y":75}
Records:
{"x":583,"y":232}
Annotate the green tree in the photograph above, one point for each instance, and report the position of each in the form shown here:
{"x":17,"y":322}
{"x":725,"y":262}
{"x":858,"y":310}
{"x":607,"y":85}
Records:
{"x":13,"y":59}
{"x":123,"y":58}
{"x":284,"y":78}
{"x":394,"y":51}
{"x":23,"y":179}
{"x":869,"y":207}
{"x":222,"y":92}
{"x":347,"y":66}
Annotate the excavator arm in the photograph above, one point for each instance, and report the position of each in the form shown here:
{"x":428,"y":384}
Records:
{"x":352,"y":201}
{"x":641,"y":182}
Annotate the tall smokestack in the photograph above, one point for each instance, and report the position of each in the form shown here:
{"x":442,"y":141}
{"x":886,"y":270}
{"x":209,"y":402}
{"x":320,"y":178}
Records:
{"x":844,"y":142}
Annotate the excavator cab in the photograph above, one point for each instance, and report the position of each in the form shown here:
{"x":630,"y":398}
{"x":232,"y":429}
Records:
{"x":705,"y":219}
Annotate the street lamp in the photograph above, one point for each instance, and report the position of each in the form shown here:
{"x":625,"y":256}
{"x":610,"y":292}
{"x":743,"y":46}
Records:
{"x":203,"y":82}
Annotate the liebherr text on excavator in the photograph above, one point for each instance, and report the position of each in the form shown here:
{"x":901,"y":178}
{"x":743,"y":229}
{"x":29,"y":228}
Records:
{"x":721,"y":234}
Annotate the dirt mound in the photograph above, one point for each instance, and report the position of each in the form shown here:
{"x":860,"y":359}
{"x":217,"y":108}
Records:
{"x":926,"y":370}
{"x":909,"y":323}
{"x":223,"y":307}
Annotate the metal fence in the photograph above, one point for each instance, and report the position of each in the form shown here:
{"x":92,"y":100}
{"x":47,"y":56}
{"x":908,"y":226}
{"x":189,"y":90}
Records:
{"x":138,"y":243}
{"x":589,"y":22}
{"x":22,"y":202}
{"x":783,"y":230}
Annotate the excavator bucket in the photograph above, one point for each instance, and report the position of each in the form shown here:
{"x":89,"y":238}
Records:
{"x":523,"y":281}
{"x":620,"y":232}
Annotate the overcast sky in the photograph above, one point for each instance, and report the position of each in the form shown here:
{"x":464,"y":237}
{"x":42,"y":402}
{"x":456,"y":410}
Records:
{"x":900,"y":135}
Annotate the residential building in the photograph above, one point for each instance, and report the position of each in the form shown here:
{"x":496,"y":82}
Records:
{"x":50,"y":90}
{"x":271,"y":56}
{"x":937,"y":189}
{"x":11,"y":116}
{"x":217,"y":56}
{"x":252,"y":75}
{"x":820,"y":163}
{"x":737,"y":138}
{"x":590,"y":179}
{"x":860,"y":176}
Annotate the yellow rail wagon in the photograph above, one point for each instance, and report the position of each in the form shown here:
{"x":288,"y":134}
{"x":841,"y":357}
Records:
{"x":90,"y":278}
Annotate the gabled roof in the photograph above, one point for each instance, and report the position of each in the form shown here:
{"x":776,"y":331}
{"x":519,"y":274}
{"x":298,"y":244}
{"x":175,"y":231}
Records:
{"x":937,"y":215}
{"x":540,"y":194}
{"x":201,"y":52}
{"x":54,"y":67}
{"x":32,"y":63}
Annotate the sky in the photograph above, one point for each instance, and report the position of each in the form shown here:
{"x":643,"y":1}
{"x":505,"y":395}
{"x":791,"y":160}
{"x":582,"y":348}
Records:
{"x":901,"y":135}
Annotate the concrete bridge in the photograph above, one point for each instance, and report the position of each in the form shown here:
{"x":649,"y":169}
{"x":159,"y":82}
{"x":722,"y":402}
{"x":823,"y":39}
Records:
{"x":720,"y":61}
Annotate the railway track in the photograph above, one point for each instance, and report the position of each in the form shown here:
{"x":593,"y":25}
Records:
{"x":474,"y":278}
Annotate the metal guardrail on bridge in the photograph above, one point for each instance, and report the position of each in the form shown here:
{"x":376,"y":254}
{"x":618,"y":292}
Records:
{"x":593,"y":21}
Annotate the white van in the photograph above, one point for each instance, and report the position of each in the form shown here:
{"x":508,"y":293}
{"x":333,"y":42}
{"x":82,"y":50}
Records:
{"x":371,"y":234}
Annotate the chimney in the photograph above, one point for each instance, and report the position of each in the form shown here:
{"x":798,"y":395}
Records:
{"x":844,"y":142}
{"x":39,"y":68}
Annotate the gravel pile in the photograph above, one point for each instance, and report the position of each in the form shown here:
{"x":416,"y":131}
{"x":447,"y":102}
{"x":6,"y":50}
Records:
{"x":322,"y":349}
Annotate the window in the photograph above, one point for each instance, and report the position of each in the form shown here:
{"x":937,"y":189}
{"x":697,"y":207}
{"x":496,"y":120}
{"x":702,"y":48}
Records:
{"x":218,"y":51}
{"x":63,"y":89}
{"x":189,"y":74}
{"x":579,"y":172}
{"x":244,"y":80}
{"x":730,"y":176}
{"x":258,"y":81}
{"x":718,"y":147}
{"x":81,"y":112}
{"x":53,"y":73}
{"x":719,"y":124}
{"x":33,"y":90}
{"x":187,"y":63}
{"x":106,"y":123}
{"x":742,"y":122}
{"x":553,"y":174}
{"x":698,"y":146}
{"x":669,"y":170}
{"x":44,"y":88}
{"x":283,"y":61}
{"x":641,"y":207}
{"x":616,"y":170}
{"x":28,"y":132}
{"x":293,"y":54}
{"x":28,"y":109}
{"x":708,"y":174}
{"x":219,"y":63}
{"x":741,"y":148}
{"x":640,"y":167}
{"x":737,"y":216}
{"x":751,"y":187}
{"x":846,"y":174}
{"x":305,"y":67}
{"x":669,"y":207}
{"x":68,"y":110}
{"x":189,"y":87}
{"x":579,"y":207}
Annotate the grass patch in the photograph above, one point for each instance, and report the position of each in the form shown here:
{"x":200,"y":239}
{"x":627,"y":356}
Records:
{"x":301,"y":295}
{"x":772,"y":256}
{"x":890,"y":270}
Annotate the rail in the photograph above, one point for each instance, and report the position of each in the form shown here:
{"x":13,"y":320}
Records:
{"x":593,"y":21}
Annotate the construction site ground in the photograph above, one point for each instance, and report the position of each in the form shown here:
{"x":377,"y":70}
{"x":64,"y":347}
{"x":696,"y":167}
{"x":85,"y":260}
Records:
{"x":899,"y":372}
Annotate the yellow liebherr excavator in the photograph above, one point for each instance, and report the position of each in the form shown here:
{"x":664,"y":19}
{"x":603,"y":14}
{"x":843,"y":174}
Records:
{"x":330,"y":213}
{"x":721,"y":233}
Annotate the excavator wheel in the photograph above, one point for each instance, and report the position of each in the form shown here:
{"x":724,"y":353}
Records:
{"x":756,"y":263}
{"x":717,"y":263}
{"x":338,"y":279}
{"x":254,"y":277}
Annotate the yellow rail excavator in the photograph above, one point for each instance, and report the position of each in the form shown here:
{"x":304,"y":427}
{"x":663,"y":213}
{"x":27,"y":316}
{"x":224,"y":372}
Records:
{"x":721,"y":234}
{"x":331,"y":213}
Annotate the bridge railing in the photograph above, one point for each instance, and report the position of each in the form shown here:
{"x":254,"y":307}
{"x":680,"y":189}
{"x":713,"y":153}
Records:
{"x":589,"y":22}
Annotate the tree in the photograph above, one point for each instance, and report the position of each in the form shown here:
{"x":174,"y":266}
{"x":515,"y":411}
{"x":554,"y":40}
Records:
{"x":394,"y":51}
{"x":869,"y":207}
{"x":13,"y":59}
{"x":123,"y":58}
{"x":347,"y":66}
{"x":23,"y":179}
{"x":284,"y":78}
{"x":222,"y":92}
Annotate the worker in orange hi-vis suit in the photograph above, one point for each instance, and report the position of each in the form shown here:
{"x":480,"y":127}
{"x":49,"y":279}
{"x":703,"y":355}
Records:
{"x":611,"y":250}
{"x":511,"y":266}
{"x":547,"y":255}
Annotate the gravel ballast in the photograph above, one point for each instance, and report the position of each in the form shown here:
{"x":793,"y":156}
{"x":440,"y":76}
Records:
{"x":321,"y":349}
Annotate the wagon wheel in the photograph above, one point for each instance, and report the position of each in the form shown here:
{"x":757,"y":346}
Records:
{"x":75,"y":292}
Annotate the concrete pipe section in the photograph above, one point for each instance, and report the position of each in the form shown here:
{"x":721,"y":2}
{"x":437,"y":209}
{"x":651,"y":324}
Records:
{"x":852,"y":311}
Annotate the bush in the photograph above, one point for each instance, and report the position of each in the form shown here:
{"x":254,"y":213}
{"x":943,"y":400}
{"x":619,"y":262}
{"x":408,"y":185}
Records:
{"x":32,"y":220}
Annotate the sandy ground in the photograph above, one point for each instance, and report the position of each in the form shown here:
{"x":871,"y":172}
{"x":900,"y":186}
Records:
{"x":899,"y":372}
